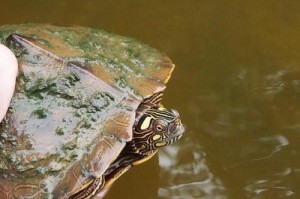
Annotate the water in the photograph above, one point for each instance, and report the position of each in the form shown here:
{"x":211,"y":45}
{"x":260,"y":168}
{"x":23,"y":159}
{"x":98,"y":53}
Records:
{"x":236,"y":86}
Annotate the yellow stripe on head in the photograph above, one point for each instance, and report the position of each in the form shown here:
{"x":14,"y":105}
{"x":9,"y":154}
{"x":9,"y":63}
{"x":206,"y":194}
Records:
{"x":146,"y":123}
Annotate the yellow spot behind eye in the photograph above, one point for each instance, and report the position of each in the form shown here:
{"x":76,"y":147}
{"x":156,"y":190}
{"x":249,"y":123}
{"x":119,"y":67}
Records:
{"x":156,"y":137}
{"x":146,"y":123}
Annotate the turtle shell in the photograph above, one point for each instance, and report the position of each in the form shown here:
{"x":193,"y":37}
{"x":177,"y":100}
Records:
{"x":74,"y":107}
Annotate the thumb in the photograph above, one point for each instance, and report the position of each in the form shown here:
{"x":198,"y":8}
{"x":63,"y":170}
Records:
{"x":8,"y":73}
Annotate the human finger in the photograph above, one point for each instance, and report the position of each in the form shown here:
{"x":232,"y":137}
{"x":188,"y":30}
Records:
{"x":8,"y":73}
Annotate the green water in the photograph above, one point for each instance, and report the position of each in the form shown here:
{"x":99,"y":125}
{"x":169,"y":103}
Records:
{"x":236,"y":86}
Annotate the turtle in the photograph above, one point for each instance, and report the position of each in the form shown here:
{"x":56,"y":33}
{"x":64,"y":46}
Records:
{"x":86,"y":108}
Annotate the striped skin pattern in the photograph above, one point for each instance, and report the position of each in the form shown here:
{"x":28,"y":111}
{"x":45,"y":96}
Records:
{"x":155,"y":126}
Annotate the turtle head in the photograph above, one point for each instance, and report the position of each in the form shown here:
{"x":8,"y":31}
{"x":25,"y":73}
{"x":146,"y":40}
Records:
{"x":156,"y":128}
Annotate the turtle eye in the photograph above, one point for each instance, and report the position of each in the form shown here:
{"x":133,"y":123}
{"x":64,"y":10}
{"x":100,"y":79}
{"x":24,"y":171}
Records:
{"x":160,"y":128}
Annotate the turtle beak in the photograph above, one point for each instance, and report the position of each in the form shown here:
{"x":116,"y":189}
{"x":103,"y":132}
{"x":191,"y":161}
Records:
{"x":179,"y":131}
{"x":176,"y":129}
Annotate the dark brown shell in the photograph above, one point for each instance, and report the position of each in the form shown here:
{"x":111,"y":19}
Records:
{"x":74,"y":106}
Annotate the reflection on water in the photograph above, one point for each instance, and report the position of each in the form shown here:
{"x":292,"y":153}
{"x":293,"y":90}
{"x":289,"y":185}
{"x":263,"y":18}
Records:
{"x":254,"y":142}
{"x":186,"y":174}
{"x":263,"y":180}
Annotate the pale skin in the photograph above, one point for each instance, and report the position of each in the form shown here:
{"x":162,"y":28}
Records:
{"x":8,"y":74}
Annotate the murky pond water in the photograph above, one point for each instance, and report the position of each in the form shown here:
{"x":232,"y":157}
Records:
{"x":236,"y":85}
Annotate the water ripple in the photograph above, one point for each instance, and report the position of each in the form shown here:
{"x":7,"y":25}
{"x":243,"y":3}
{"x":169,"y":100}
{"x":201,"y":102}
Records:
{"x":267,"y":188}
{"x":186,"y":175}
